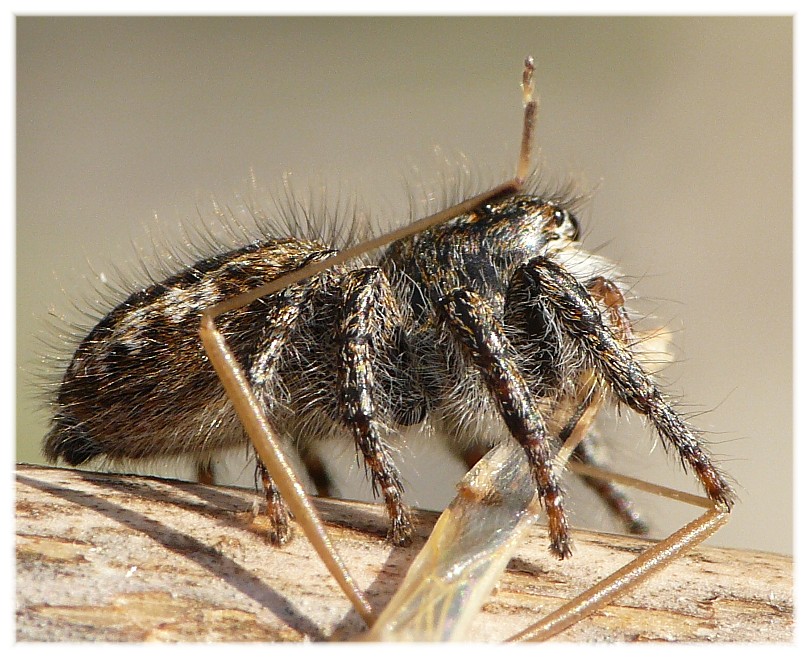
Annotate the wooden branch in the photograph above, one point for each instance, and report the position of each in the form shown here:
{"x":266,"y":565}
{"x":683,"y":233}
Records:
{"x":128,"y":558}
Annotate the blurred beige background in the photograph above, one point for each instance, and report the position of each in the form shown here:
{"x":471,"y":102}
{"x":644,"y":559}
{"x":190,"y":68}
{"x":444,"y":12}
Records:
{"x":684,"y":124}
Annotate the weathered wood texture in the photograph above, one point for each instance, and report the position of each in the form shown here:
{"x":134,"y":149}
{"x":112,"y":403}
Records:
{"x":126,"y":558}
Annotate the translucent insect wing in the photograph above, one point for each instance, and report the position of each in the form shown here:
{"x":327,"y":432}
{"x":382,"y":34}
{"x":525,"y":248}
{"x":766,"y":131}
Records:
{"x":466,"y":553}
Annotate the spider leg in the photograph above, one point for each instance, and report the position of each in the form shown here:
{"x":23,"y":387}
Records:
{"x":536,"y":336}
{"x":267,"y":444}
{"x":481,"y":336}
{"x":619,"y":503}
{"x":318,"y":473}
{"x":277,"y":513}
{"x":281,"y":321}
{"x":363,"y":324}
{"x":576,"y":309}
{"x":589,"y":450}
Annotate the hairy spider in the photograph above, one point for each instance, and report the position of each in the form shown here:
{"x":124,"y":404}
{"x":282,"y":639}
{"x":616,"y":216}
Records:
{"x":495,"y":323}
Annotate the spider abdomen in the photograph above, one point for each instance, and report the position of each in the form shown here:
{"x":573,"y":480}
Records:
{"x":139,"y":384}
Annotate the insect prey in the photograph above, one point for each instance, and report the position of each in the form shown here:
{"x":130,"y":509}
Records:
{"x":489,"y":322}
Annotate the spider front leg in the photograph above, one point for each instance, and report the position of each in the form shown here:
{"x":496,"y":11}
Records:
{"x":579,"y":316}
{"x":588,"y":450}
{"x":362,"y":332}
{"x":482,"y":338}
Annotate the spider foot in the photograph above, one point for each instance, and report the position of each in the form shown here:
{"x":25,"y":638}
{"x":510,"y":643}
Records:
{"x":280,"y":530}
{"x":277,"y":512}
{"x":637,"y":527}
{"x":560,"y":544}
{"x":400,"y":532}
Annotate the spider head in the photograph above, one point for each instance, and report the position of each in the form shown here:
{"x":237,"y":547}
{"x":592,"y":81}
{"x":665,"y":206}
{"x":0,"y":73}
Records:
{"x":534,"y":223}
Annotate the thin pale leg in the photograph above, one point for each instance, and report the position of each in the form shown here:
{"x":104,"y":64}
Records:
{"x":636,"y":571}
{"x":509,"y":188}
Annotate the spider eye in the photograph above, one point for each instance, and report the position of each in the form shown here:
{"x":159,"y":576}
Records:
{"x":567,"y":223}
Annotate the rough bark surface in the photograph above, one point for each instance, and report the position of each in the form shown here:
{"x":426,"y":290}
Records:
{"x":126,"y":558}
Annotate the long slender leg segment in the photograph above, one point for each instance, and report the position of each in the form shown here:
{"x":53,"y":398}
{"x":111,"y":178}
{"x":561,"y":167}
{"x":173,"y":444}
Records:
{"x":573,"y":306}
{"x":282,"y":314}
{"x":238,"y":387}
{"x":366,"y":295}
{"x":267,"y":445}
{"x":627,"y":578}
{"x":482,"y":338}
{"x":531,"y":104}
{"x":508,"y":188}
